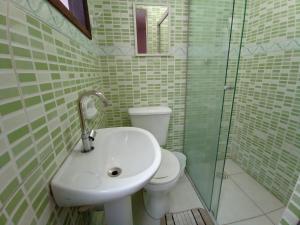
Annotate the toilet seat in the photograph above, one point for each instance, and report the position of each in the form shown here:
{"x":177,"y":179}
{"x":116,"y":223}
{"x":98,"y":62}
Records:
{"x":156,"y":194}
{"x":168,"y":171}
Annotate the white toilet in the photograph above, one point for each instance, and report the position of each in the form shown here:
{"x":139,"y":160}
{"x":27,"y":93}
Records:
{"x":156,"y":194}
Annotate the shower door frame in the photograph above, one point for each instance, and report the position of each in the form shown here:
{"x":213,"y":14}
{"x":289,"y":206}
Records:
{"x":233,"y":98}
{"x":210,"y":210}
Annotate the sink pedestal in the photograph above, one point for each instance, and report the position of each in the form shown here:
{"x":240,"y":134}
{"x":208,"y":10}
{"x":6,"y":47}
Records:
{"x":118,"y":212}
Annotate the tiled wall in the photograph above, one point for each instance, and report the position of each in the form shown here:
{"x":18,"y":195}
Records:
{"x":291,"y":215}
{"x":43,"y":68}
{"x":265,"y":138}
{"x":142,"y":81}
{"x":41,"y":73}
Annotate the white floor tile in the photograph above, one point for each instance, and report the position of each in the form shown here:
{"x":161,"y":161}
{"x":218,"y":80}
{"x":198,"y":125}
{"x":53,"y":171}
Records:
{"x":232,"y":168}
{"x":235,"y":205}
{"x":261,"y":196}
{"x":275,"y":216}
{"x":262,"y":220}
{"x":183,"y":196}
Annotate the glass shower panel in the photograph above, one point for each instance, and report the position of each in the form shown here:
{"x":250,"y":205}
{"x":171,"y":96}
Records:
{"x":236,"y":34}
{"x":209,"y":35}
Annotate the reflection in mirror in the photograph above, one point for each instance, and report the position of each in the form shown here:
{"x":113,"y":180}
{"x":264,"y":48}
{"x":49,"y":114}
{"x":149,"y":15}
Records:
{"x":152,"y":29}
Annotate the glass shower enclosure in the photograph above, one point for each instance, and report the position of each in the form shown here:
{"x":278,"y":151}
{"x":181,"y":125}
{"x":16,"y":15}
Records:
{"x":215,"y":35}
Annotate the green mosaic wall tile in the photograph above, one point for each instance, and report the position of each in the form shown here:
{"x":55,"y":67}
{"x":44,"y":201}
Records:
{"x":8,"y":191}
{"x":4,"y":48}
{"x":40,"y":82}
{"x":266,"y":123}
{"x":8,"y":93}
{"x":49,"y":69}
{"x":4,"y":159}
{"x":141,"y":81}
{"x":3,"y":219}
{"x":14,"y":202}
{"x":17,"y":134}
{"x":5,"y":63}
{"x":7,"y":108}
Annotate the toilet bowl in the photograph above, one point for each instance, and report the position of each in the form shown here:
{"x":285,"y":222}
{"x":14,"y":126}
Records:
{"x":182,"y":161}
{"x":156,"y":194}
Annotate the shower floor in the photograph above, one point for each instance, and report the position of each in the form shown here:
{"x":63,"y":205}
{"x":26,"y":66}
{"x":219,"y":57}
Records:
{"x":243,"y":201}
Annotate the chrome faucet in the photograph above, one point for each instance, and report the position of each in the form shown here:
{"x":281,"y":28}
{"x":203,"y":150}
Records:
{"x":89,"y":136}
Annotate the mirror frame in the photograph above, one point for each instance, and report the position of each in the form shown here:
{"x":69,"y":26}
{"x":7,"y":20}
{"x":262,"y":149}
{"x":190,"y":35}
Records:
{"x":135,"y":29}
{"x":84,"y":28}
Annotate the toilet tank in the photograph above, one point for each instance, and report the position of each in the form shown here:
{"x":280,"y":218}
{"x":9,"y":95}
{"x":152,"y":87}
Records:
{"x":154,"y":119}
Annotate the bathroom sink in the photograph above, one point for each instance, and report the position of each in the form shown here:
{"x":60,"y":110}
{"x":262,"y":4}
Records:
{"x":124,"y":159}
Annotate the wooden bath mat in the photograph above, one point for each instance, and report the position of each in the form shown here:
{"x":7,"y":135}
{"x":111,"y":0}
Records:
{"x":189,"y":217}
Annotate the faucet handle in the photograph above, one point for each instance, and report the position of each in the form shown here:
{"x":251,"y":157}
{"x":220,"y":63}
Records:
{"x":92,"y":135}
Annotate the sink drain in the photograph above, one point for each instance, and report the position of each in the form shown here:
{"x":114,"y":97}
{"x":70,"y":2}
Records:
{"x":114,"y":172}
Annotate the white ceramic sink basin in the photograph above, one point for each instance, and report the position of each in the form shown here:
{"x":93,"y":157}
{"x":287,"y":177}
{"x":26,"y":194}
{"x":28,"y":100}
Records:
{"x":84,"y":178}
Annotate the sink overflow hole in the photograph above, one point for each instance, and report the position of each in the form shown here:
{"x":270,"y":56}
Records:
{"x":114,"y":172}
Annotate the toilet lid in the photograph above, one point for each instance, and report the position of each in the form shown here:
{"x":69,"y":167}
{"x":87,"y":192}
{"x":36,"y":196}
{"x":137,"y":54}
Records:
{"x":168,"y":170}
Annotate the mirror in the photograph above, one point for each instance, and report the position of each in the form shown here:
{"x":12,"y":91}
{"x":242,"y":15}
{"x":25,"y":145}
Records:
{"x":76,"y":11}
{"x":151,"y":29}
